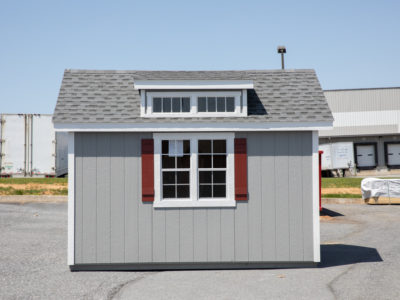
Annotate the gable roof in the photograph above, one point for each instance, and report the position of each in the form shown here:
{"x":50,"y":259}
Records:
{"x":95,"y":96}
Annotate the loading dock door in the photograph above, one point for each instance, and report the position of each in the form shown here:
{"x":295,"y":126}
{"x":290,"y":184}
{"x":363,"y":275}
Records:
{"x":365,"y":155}
{"x":393,"y":153}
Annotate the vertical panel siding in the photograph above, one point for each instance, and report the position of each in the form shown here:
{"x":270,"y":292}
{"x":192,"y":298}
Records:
{"x":78,"y":198}
{"x":131,"y":181}
{"x":113,"y":225}
{"x":186,"y":240}
{"x":117,"y":209}
{"x":89,"y":200}
{"x":295,"y":201}
{"x":255,"y":198}
{"x":103,"y":191}
{"x":268,"y":201}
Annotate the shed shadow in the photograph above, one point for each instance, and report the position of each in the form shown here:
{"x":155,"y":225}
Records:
{"x":330,"y":213}
{"x":340,"y":254}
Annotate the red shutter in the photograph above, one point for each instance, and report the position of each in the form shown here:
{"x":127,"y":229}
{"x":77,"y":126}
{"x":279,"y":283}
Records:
{"x":147,"y":170}
{"x":240,"y":169}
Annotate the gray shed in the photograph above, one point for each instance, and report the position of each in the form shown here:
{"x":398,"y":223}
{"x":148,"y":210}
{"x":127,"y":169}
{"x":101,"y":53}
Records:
{"x":192,"y":169}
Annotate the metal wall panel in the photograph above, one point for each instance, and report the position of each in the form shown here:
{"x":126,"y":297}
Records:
{"x":379,"y":99}
{"x":113,"y":225}
{"x":364,"y":112}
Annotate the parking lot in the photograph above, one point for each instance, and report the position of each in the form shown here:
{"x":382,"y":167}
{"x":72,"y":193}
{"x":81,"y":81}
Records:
{"x":360,"y":260}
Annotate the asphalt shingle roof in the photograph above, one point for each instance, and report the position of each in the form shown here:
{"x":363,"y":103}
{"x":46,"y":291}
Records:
{"x":95,"y":96}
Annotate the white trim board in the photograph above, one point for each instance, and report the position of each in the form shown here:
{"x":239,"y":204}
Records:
{"x":315,"y":198}
{"x":192,"y":84}
{"x":191,"y":127}
{"x":71,"y":199}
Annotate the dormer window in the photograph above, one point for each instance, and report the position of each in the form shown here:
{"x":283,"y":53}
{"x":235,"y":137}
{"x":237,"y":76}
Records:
{"x":192,"y":99}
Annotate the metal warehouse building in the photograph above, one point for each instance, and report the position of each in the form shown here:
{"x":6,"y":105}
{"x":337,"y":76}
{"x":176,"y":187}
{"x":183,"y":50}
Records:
{"x":369,"y":118}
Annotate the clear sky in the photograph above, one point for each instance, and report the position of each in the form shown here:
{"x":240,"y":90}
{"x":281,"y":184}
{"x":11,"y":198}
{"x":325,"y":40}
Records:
{"x":350,"y":44}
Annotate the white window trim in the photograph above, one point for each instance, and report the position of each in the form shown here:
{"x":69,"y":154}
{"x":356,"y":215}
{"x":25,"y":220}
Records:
{"x":240,"y":96}
{"x":192,"y":84}
{"x":194,"y":201}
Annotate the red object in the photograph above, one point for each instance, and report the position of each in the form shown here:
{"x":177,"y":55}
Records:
{"x":147,"y":170}
{"x":320,"y":162}
{"x":240,"y":169}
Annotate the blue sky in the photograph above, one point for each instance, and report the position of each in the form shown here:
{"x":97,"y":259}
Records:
{"x":351,"y":44}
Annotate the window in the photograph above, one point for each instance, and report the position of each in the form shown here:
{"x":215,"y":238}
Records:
{"x":193,"y":170}
{"x":175,"y":169}
{"x":212,"y":168}
{"x":168,"y":104}
{"x":194,"y":104}
{"x":216,"y":104}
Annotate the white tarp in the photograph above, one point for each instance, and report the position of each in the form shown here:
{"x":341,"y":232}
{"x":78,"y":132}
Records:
{"x":374,"y":187}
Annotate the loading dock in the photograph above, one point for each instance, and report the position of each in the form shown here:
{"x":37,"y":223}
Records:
{"x":365,"y":155}
{"x":392,"y":154}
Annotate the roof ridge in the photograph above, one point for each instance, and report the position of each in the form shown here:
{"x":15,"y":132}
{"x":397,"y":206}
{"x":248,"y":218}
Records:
{"x":185,"y":71}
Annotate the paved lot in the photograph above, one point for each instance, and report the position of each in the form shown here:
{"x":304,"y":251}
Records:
{"x":360,"y":252}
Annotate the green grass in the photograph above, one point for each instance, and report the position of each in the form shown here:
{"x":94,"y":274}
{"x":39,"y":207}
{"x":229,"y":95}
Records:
{"x":34,"y":180}
{"x":12,"y":191}
{"x":341,"y":182}
{"x":341,"y":195}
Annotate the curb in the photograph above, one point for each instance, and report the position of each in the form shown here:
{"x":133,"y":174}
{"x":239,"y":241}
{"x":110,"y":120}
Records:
{"x":22,"y":199}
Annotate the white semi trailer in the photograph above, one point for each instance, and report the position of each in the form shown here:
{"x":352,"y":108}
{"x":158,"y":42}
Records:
{"x":28,"y":146}
{"x":338,"y":157}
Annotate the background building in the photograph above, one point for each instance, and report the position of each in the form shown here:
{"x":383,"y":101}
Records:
{"x":368,"y":118}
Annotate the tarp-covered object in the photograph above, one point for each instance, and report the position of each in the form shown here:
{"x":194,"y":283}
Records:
{"x":374,"y":187}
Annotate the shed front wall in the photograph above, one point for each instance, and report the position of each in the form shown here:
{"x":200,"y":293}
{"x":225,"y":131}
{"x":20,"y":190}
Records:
{"x":113,"y":225}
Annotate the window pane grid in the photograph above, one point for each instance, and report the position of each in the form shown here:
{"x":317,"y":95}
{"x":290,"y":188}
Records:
{"x":212,"y":179}
{"x":175,"y":170}
{"x":215,"y":104}
{"x":171,"y":104}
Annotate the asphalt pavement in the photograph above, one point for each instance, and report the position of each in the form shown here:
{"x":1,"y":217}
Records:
{"x":360,"y":246}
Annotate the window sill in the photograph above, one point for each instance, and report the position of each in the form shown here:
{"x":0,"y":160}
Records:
{"x":189,"y":203}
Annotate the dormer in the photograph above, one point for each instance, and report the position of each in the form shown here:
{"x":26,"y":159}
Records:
{"x":193,"y":98}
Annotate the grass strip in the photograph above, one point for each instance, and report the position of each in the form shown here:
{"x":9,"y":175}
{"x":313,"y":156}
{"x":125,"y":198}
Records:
{"x":34,"y":180}
{"x":341,"y":196}
{"x":11,"y":191}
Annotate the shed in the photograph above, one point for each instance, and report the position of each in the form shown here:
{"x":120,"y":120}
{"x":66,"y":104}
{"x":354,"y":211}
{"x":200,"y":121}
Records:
{"x":192,"y":169}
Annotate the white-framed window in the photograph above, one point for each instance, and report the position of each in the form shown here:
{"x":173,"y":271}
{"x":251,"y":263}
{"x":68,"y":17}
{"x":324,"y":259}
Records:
{"x":194,"y":169}
{"x":194,"y":104}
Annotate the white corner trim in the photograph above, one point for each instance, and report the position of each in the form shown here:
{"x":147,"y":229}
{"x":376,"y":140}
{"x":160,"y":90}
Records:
{"x":167,"y":126}
{"x":192,"y":84}
{"x":315,"y":200}
{"x":71,"y":199}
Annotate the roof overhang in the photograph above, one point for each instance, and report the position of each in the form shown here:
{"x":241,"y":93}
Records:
{"x":192,"y":127}
{"x":193,"y":84}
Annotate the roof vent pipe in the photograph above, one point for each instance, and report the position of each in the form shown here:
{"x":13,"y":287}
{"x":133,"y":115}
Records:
{"x":282,"y":51}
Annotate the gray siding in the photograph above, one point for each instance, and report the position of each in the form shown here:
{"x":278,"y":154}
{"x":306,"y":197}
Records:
{"x":113,"y":225}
